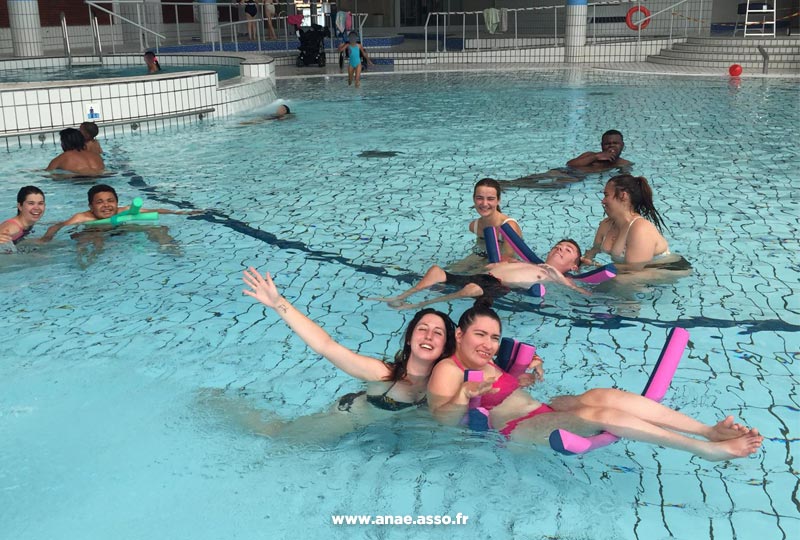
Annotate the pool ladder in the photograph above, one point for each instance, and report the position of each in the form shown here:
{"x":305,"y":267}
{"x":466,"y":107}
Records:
{"x":97,"y":46}
{"x":65,"y":35}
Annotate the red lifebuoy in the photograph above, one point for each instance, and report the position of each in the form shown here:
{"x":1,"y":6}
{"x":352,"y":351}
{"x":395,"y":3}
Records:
{"x":629,"y":17}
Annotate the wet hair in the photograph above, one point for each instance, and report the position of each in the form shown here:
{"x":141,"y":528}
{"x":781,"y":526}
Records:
{"x":101,"y":188}
{"x":23,"y":193}
{"x":577,"y":247}
{"x":613,"y":132}
{"x":492,"y":183}
{"x":640,"y":194}
{"x":90,"y":128}
{"x":480,"y":309}
{"x":288,"y":110}
{"x":72,"y":139}
{"x":400,"y":365}
{"x":151,"y":56}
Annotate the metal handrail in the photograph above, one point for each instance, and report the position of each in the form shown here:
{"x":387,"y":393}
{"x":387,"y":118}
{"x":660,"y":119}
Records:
{"x":67,"y":48}
{"x":362,"y":18}
{"x":765,"y":56}
{"x":96,"y":36}
{"x":127,"y":20}
{"x":444,"y":15}
{"x":110,"y":123}
{"x":515,"y":11}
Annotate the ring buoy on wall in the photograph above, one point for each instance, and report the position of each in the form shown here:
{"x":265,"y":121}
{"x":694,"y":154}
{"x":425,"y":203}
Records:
{"x":629,"y":18}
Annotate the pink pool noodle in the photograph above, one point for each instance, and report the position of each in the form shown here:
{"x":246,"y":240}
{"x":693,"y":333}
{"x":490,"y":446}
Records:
{"x":656,"y":388}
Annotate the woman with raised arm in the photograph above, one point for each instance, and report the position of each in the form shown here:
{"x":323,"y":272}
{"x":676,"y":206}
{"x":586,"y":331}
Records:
{"x":392,"y":386}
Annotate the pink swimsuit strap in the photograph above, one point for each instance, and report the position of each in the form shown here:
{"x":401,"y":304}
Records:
{"x":506,"y":385}
{"x":511,"y":425}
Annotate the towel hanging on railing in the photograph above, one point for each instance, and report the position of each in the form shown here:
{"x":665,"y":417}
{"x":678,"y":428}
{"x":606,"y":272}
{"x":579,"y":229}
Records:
{"x":492,"y":18}
{"x":504,"y":19}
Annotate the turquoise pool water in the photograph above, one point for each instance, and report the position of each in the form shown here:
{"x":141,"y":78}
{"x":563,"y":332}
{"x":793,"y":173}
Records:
{"x":104,"y":427}
{"x":103,"y":72}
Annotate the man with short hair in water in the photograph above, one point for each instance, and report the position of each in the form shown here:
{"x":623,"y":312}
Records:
{"x":103,"y":203}
{"x":501,"y":278}
{"x":76,"y":158}
{"x":611,"y":146}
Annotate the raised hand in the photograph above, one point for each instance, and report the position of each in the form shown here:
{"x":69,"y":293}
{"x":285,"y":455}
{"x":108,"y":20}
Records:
{"x":263,"y":288}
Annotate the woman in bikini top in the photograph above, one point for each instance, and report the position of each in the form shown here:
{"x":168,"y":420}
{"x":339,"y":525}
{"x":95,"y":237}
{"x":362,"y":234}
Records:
{"x":486,"y":200}
{"x":30,"y":209}
{"x":624,"y":234}
{"x":522,"y":418}
{"x":395,"y":386}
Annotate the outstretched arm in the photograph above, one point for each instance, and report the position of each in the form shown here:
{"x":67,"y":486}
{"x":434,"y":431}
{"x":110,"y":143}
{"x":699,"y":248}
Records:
{"x":366,"y":56}
{"x":557,"y":277}
{"x":361,"y":367}
{"x":168,"y":211}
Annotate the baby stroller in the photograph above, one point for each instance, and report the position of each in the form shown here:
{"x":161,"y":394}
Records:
{"x":312,"y":45}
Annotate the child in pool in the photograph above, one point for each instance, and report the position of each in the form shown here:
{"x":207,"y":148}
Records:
{"x":355,"y":50}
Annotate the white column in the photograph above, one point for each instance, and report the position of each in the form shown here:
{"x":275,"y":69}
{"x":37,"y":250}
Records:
{"x":209,"y":19}
{"x":26,"y":28}
{"x":575,"y":31}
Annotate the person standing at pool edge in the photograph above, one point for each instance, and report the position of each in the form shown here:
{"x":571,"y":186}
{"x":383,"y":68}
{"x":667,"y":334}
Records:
{"x":355,"y":50}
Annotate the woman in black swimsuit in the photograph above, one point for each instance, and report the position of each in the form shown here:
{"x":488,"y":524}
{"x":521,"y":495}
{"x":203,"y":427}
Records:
{"x":392,"y":386}
{"x":251,"y":10}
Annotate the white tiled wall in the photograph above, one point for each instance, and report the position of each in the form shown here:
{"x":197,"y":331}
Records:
{"x":49,"y":107}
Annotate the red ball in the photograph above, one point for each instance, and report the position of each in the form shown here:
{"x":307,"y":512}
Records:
{"x":735,"y":70}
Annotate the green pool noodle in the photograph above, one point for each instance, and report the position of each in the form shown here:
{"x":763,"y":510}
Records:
{"x":125,"y":218}
{"x":134,"y":209}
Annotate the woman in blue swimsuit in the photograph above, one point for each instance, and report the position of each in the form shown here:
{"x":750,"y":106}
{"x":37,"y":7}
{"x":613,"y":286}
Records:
{"x":355,"y":50}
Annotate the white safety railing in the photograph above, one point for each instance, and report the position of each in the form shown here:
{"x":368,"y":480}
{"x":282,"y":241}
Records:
{"x":679,"y":14}
{"x":234,"y":34}
{"x":144,"y":31}
{"x":98,"y":46}
{"x":218,"y":44}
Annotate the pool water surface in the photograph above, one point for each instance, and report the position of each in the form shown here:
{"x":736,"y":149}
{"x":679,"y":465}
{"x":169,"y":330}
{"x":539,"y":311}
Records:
{"x":116,"y":357}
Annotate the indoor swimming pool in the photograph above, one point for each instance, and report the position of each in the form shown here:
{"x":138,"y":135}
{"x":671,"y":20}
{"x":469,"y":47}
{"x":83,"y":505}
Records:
{"x":117,"y":354}
{"x":42,"y":74}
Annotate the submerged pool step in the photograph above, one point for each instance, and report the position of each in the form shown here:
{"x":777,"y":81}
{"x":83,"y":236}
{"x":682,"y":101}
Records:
{"x":723,"y":64}
{"x":784,"y":53}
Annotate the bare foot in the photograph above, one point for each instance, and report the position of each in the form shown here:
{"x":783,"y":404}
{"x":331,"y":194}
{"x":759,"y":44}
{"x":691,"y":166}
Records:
{"x":727,"y":429}
{"x":742,"y":446}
